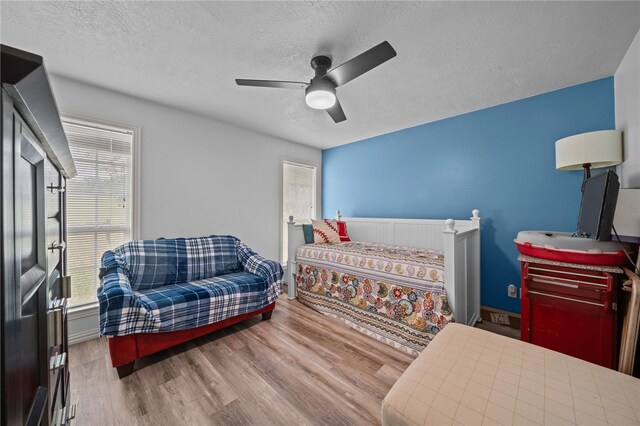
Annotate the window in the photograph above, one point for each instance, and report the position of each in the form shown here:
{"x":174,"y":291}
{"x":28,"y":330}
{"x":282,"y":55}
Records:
{"x":298,"y":197}
{"x":100,"y":200}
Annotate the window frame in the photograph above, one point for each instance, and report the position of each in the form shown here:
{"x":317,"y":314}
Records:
{"x":317,"y":196}
{"x":135,"y":176}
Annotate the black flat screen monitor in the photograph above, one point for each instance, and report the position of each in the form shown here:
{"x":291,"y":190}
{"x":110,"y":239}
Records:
{"x":598,"y":206}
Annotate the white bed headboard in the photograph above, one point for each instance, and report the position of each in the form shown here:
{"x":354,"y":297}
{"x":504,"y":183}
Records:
{"x":459,"y":239}
{"x":405,"y":232}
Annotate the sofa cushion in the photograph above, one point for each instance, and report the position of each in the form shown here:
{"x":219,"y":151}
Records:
{"x":157,"y":263}
{"x":194,"y":304}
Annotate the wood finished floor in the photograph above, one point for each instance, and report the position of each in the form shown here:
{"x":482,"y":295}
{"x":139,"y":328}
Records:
{"x":300,"y":367}
{"x":504,"y":330}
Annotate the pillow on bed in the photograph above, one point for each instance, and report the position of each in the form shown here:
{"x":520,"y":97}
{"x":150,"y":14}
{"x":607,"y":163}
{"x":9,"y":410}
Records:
{"x":325,"y":231}
{"x":342,"y":231}
{"x":307,"y":230}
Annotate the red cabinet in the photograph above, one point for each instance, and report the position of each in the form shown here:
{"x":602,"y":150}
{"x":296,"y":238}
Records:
{"x":571,"y":309}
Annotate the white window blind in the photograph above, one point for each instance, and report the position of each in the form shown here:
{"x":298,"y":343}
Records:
{"x":99,"y":202}
{"x":298,"y":197}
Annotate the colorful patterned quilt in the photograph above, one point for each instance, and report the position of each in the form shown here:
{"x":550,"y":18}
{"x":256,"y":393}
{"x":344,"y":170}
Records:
{"x":394,"y":294}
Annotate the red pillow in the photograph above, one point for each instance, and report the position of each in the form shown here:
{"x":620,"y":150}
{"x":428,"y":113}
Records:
{"x":342,"y":231}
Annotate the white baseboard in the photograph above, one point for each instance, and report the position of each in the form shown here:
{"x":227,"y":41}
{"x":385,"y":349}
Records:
{"x":83,"y":336}
{"x":83,"y":324}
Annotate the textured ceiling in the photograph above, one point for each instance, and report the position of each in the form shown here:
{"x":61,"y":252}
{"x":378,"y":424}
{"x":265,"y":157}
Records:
{"x":453,"y":57}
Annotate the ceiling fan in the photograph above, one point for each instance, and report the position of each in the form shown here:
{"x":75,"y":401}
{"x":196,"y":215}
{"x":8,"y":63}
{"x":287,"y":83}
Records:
{"x":320,"y":92}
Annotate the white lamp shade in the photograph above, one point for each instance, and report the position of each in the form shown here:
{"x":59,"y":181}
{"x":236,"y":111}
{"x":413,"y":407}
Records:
{"x":600,"y":149}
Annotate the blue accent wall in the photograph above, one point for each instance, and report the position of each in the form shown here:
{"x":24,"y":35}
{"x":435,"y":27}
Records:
{"x":500,"y":160}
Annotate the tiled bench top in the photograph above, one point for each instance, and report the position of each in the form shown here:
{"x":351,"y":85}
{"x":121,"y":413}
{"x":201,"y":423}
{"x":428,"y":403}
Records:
{"x":468,"y":376}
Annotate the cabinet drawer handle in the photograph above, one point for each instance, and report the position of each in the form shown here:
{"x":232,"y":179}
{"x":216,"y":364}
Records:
{"x":58,"y":188}
{"x":57,"y":246}
{"x":63,"y":415}
{"x":565,"y":298}
{"x":54,"y":321}
{"x":58,"y":361}
{"x":575,"y":274}
{"x":57,"y":307}
{"x":65,"y":286}
{"x":535,"y":279}
{"x":546,"y":277}
{"x":71,"y":413}
{"x":58,"y":304}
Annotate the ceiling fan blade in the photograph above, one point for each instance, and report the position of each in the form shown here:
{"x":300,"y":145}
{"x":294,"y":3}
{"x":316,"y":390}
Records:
{"x":362,"y":63}
{"x":336,"y":112}
{"x":272,"y":83}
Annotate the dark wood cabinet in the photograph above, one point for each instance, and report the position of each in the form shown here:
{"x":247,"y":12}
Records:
{"x":35,"y":163}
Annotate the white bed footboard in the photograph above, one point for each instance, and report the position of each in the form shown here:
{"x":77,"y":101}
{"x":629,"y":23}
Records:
{"x":460,"y":241}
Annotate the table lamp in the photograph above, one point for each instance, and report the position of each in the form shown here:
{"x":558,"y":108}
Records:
{"x":589,"y":150}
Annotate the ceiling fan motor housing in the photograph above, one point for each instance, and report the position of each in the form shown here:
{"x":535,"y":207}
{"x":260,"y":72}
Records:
{"x":321,"y":64}
{"x":319,"y":83}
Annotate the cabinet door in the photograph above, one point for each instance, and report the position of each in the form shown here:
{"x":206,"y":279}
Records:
{"x":24,"y":287}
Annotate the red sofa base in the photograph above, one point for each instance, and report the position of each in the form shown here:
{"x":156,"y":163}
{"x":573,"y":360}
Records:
{"x":124,"y":350}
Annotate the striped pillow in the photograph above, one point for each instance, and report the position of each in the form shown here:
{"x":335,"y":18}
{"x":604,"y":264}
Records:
{"x":325,"y":231}
{"x":342,"y":231}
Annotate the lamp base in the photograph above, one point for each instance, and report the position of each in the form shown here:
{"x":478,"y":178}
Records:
{"x":587,"y":174}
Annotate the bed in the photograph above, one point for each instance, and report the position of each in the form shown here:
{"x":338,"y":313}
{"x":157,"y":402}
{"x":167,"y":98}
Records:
{"x":398,"y":280}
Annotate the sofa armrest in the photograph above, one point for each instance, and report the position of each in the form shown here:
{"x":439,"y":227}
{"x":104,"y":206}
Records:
{"x":270,"y":270}
{"x":116,"y":299}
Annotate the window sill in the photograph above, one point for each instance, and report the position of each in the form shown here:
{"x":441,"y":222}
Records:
{"x":83,"y":310}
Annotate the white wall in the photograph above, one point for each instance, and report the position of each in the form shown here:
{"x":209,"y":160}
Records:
{"x":198,"y":176}
{"x":627,"y":95}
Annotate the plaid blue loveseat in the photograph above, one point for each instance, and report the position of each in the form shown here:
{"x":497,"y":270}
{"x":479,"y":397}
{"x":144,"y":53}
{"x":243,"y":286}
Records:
{"x":177,"y":284}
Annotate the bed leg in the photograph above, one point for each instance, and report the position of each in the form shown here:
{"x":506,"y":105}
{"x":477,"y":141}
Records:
{"x":125,"y":370}
{"x":267,"y":315}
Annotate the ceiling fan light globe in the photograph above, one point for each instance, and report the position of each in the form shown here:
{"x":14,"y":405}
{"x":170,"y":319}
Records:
{"x":320,"y":99}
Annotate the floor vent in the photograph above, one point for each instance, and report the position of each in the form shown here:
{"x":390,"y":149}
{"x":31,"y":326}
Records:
{"x":500,"y":318}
